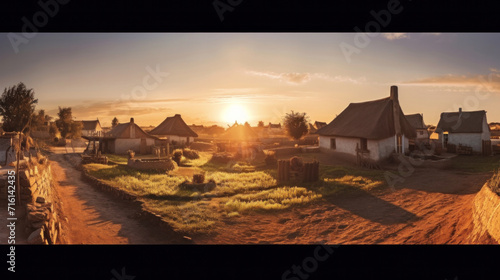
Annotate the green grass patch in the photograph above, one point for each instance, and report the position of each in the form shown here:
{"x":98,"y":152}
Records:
{"x":188,"y":217}
{"x":274,"y":199}
{"x":475,"y":164}
{"x":202,"y":160}
{"x":233,"y":183}
{"x":139,"y":183}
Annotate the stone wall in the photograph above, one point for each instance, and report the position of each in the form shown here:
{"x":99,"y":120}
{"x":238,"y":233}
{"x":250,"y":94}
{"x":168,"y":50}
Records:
{"x":37,"y":195}
{"x":152,"y":164}
{"x":486,"y":214}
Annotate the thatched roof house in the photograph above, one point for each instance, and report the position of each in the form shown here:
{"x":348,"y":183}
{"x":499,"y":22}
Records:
{"x":174,"y":129}
{"x":91,"y":128}
{"x":377,"y":128}
{"x":124,"y":137}
{"x":417,"y":121}
{"x":468,"y":128}
{"x":239,"y":132}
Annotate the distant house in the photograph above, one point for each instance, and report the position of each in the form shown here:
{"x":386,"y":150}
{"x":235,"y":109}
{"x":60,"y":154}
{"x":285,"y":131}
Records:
{"x":198,"y":129}
{"x":376,"y":128}
{"x":240,"y":133}
{"x":319,"y":125}
{"x":91,"y":128}
{"x":274,"y":128}
{"x":417,"y":121}
{"x":124,"y":137}
{"x":174,"y":129}
{"x":467,"y":128}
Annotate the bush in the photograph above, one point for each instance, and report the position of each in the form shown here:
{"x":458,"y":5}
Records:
{"x":177,"y":156}
{"x":198,"y":178}
{"x":190,"y":154}
{"x":271,"y":159}
{"x":130,"y":154}
{"x":222,"y":157}
{"x":296,"y":164}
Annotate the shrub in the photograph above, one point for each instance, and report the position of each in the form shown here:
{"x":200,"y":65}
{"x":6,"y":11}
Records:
{"x":130,"y":154}
{"x":177,"y":156}
{"x":198,"y":178}
{"x":270,"y":158}
{"x":296,"y":164}
{"x":190,"y":154}
{"x":223,"y":158}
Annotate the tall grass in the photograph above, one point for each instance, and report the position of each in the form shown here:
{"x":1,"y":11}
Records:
{"x":232,"y":183}
{"x":475,"y":164}
{"x":275,"y":199}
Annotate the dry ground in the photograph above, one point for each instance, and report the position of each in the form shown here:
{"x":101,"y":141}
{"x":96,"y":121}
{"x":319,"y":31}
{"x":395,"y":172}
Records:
{"x":96,"y":217}
{"x":430,"y":207}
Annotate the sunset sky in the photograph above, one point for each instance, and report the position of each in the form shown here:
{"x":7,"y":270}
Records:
{"x":217,"y":78}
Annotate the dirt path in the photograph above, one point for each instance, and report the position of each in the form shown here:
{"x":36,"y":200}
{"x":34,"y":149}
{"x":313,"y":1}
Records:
{"x":430,"y":207}
{"x":94,"y":216}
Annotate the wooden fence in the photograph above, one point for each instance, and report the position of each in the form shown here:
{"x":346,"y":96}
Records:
{"x":308,"y":173}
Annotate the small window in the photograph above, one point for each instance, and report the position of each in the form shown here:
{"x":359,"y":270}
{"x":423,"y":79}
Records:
{"x":363,"y":144}
{"x":333,"y":143}
{"x":421,"y":132}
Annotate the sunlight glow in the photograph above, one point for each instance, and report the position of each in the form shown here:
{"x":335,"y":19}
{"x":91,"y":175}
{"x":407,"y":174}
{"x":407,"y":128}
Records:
{"x":235,"y":112}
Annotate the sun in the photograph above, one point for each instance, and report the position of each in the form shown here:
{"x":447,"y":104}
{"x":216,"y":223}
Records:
{"x":235,"y":112}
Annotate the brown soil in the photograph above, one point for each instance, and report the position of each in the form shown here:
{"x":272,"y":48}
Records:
{"x":95,"y":217}
{"x":431,"y":207}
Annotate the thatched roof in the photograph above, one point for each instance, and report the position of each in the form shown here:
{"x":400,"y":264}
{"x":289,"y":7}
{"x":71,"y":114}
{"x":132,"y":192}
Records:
{"x":461,"y":122}
{"x":90,"y":125}
{"x":173,"y":126}
{"x":370,"y":120}
{"x":239,"y":132}
{"x":123,"y":130}
{"x":319,"y":125}
{"x":416,"y":120}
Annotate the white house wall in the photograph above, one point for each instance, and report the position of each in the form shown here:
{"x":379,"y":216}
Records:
{"x":123,"y":145}
{"x":379,"y":149}
{"x":486,"y":135}
{"x":473,"y":140}
{"x":180,"y":139}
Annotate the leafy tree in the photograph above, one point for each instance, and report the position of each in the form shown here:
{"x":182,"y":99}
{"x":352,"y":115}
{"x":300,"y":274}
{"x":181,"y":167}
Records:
{"x":261,"y":124}
{"x":54,"y":131}
{"x":17,"y":105}
{"x":40,"y":119}
{"x":114,"y":122}
{"x":66,"y":125}
{"x":295,"y":124}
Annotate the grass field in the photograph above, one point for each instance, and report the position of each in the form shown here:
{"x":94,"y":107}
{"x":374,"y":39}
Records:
{"x":469,"y":163}
{"x":240,"y":190}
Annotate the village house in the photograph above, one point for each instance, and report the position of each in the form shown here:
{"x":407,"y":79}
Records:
{"x":417,"y":121}
{"x":467,"y":128}
{"x":91,"y":128}
{"x":175,"y":130}
{"x":375,"y":128}
{"x":123,"y":137}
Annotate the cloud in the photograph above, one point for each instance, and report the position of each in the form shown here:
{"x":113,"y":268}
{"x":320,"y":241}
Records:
{"x":490,"y":82}
{"x":123,"y":108}
{"x":395,"y":36}
{"x":302,"y":78}
{"x":292,"y":78}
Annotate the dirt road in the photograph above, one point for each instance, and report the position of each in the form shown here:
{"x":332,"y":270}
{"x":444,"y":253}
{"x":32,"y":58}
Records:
{"x":94,"y":216}
{"x":431,"y":207}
